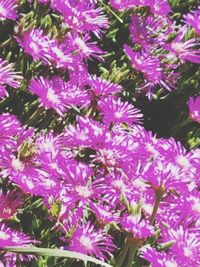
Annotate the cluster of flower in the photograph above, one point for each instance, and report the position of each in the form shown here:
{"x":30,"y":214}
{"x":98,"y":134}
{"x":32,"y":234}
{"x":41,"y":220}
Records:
{"x":104,"y":173}
{"x":164,"y":46}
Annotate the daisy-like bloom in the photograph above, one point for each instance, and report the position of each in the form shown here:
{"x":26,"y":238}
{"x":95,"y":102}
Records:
{"x":186,"y":247}
{"x":74,"y":94}
{"x":59,"y":55}
{"x":147,"y":31}
{"x":9,"y":203}
{"x":159,"y":7}
{"x":94,"y":242}
{"x":183,"y":50}
{"x":50,"y":94}
{"x":114,"y":110}
{"x":158,"y":259}
{"x":151,"y":69}
{"x":194,"y":108}
{"x":166,"y":177}
{"x":78,"y":184}
{"x":9,"y":128}
{"x":9,"y":125}
{"x":8,"y":9}
{"x":104,"y":213}
{"x":137,"y":227}
{"x":193,"y":20}
{"x":102,"y":88}
{"x":83,"y":46}
{"x":9,"y":237}
{"x":143,"y":62}
{"x":81,"y":16}
{"x":125,"y":4}
{"x":8,"y":77}
{"x":35,"y":43}
{"x":12,"y":259}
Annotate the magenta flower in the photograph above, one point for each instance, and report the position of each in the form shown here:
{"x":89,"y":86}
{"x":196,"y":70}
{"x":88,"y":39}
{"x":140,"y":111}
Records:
{"x":50,"y":94}
{"x":194,"y":108}
{"x":150,"y":67}
{"x":73,"y":94}
{"x":9,"y":125}
{"x":79,"y":186}
{"x":147,"y":31}
{"x":8,"y":9}
{"x":83,"y":46}
{"x":158,"y":259}
{"x":9,"y":237}
{"x":95,"y":242}
{"x":159,"y":7}
{"x":104,"y":213}
{"x":59,"y":55}
{"x":137,"y":227}
{"x":35,"y":43}
{"x":125,"y":4}
{"x":102,"y":88}
{"x":8,"y":77}
{"x":193,"y":20}
{"x":82,"y":17}
{"x":183,"y":50}
{"x":114,"y":110}
{"x":9,"y":203}
{"x":186,"y":247}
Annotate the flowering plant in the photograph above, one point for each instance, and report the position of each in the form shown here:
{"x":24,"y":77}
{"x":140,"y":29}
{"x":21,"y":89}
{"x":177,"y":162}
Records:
{"x":99,"y":133}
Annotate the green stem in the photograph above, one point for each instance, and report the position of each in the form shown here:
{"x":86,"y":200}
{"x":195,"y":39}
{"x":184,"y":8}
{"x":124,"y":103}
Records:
{"x":122,"y":255}
{"x":133,"y":246}
{"x":111,"y":11}
{"x":180,"y":125}
{"x":35,"y":116}
{"x":159,"y":194}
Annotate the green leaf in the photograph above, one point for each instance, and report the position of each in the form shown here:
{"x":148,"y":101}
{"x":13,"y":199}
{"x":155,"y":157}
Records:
{"x":54,"y":253}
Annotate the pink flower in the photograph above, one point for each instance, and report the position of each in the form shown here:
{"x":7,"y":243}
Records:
{"x":160,"y":7}
{"x":124,"y":4}
{"x":81,"y":17}
{"x":83,"y":46}
{"x":137,"y":227}
{"x":193,"y":20}
{"x":8,"y":77}
{"x":102,"y":88}
{"x":9,"y":203}
{"x":183,"y":50}
{"x":95,"y":242}
{"x":186,"y":247}
{"x":35,"y":43}
{"x":150,"y":66}
{"x":50,"y":94}
{"x":7,"y":9}
{"x":158,"y":259}
{"x":194,"y":108}
{"x":9,"y":237}
{"x":114,"y":110}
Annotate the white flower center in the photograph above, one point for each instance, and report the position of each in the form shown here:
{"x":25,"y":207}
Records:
{"x":51,"y":96}
{"x":81,"y":45}
{"x":171,"y":264}
{"x":3,"y":235}
{"x":86,"y":242}
{"x":196,"y":207}
{"x":17,"y":165}
{"x":187,"y":252}
{"x":118,"y":115}
{"x":183,"y":161}
{"x":3,"y":11}
{"x":83,"y":191}
{"x":178,"y":47}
